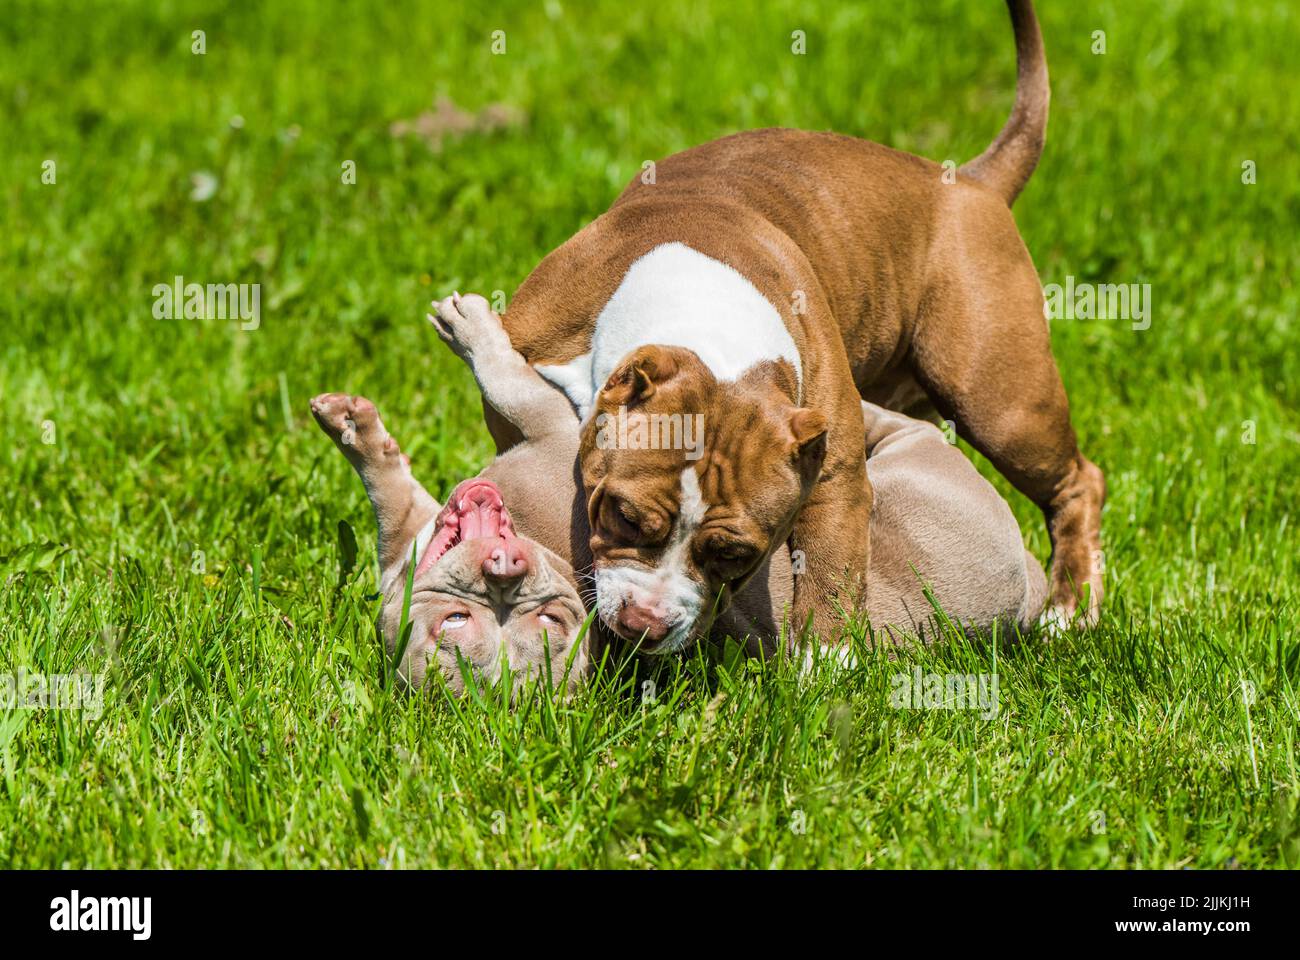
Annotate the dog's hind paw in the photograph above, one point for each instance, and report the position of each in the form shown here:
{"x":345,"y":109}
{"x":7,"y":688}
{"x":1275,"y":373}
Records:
{"x":353,"y":424}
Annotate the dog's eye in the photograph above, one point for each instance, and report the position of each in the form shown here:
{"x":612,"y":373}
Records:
{"x":619,"y":521}
{"x":454,"y":621}
{"x":734,"y":557}
{"x":623,"y":523}
{"x":628,"y":522}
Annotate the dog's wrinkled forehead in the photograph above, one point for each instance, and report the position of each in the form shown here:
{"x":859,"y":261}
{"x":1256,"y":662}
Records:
{"x":470,"y":553}
{"x":743,"y":452}
{"x":461,"y":617}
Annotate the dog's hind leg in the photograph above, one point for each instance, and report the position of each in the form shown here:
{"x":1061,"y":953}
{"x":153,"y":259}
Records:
{"x":981,"y":349}
{"x":402,"y":505}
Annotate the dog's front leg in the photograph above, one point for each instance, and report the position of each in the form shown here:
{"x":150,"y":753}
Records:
{"x":510,"y":387}
{"x":830,"y":550}
{"x":402,"y":506}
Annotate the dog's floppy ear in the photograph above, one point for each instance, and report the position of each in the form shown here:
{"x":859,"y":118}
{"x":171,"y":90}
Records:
{"x":639,"y":375}
{"x":808,"y":449}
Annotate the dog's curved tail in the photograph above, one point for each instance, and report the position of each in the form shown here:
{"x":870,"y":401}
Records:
{"x":1006,"y":165}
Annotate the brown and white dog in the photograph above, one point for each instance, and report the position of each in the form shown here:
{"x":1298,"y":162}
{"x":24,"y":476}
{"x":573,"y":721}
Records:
{"x":496,"y":585}
{"x":768,"y":282}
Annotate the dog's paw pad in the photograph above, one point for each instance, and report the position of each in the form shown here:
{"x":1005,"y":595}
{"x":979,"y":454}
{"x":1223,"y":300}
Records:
{"x":353,"y":423}
{"x":333,"y":411}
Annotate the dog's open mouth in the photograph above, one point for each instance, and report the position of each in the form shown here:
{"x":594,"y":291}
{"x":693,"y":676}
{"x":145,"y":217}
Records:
{"x":474,"y":510}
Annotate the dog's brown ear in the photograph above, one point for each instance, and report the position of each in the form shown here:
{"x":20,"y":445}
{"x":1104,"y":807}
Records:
{"x":639,"y":376}
{"x":809,"y":429}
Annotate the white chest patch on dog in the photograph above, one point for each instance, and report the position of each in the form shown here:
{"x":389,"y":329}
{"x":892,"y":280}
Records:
{"x":574,"y":378}
{"x":678,"y":297}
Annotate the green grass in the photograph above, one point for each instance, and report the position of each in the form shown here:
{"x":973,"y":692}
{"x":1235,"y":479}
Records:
{"x":244,"y":723}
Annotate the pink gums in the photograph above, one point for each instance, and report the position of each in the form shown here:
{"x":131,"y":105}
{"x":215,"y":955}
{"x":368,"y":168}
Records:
{"x":474,"y":511}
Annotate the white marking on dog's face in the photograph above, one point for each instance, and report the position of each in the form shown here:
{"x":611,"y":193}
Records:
{"x":672,"y":584}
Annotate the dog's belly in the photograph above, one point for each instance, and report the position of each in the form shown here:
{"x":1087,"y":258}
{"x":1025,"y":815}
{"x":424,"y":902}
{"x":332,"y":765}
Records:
{"x":897,"y":389}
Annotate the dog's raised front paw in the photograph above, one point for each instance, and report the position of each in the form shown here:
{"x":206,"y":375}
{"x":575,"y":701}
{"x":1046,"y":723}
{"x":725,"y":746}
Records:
{"x":468,"y":324}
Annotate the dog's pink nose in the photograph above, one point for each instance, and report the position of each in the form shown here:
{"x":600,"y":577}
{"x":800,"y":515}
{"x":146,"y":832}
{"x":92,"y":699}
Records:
{"x":636,"y":621}
{"x":506,"y":560}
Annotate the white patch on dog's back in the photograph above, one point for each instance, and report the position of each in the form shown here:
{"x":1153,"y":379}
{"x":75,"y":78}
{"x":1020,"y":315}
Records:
{"x":678,"y":297}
